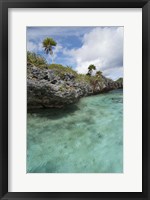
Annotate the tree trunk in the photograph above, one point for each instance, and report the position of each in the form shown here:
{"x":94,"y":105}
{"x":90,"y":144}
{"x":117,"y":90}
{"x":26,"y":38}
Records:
{"x":52,"y":59}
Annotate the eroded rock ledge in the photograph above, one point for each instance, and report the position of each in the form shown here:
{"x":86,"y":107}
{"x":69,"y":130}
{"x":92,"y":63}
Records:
{"x":47,"y":89}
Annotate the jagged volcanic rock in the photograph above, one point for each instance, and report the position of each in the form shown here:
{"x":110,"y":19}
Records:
{"x":45,"y":88}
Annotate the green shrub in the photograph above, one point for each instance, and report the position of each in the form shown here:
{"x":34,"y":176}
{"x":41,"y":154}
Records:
{"x":62,"y":70}
{"x":119,"y":80}
{"x":88,"y":79}
{"x":37,"y":60}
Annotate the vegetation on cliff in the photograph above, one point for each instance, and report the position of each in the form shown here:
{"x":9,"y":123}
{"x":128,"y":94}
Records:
{"x":60,"y":70}
{"x":119,"y":80}
{"x":36,"y":60}
{"x":55,"y":85}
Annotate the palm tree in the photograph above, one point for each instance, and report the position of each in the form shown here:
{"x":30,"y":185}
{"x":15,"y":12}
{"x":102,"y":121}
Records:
{"x":98,"y":74}
{"x":48,"y":45}
{"x":91,"y":68}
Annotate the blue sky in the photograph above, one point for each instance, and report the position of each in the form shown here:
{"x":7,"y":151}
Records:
{"x":79,"y":47}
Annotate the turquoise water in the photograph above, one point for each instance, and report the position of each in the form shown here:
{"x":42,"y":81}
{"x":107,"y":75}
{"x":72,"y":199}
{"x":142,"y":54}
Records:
{"x":83,"y":138}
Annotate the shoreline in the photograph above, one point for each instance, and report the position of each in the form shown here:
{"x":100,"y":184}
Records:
{"x":47,"y":88}
{"x":69,"y":105}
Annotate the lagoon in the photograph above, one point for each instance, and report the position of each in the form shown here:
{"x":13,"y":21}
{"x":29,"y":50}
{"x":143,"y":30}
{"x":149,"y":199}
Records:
{"x":86,"y":137}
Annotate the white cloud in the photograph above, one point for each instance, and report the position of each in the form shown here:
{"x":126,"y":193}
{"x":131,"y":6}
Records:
{"x":31,"y":46}
{"x":56,"y":50}
{"x":34,"y":47}
{"x":103,"y":47}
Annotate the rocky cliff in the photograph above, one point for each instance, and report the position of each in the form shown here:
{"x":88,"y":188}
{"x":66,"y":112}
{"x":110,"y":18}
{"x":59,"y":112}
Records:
{"x":46,"y":88}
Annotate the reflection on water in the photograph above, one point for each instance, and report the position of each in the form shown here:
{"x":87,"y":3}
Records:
{"x":82,"y":138}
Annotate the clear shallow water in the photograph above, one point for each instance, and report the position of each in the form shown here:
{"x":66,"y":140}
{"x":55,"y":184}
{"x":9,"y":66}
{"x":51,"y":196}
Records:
{"x":82,"y":138}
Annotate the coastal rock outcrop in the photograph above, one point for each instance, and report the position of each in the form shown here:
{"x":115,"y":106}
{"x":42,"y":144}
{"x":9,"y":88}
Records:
{"x":47,"y":88}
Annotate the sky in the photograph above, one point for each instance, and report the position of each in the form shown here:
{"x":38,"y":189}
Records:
{"x":79,"y":47}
